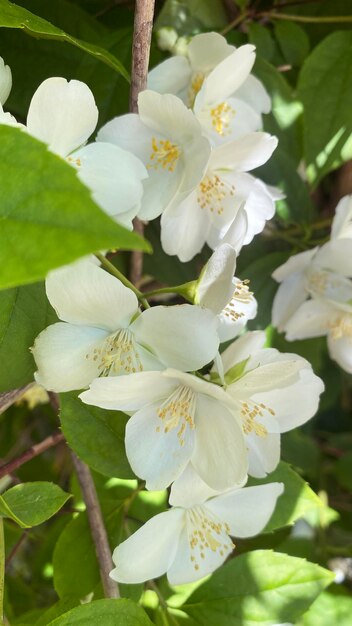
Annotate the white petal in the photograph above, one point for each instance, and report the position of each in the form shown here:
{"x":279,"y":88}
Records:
{"x":341,"y":351}
{"x":130,"y":392}
{"x":296,"y":404}
{"x":62,"y":114}
{"x":114,"y":176}
{"x":189,"y":489}
{"x":254,"y":93}
{"x":241,"y":349}
{"x":157,"y":456}
{"x":233,"y":233}
{"x":183,"y":336}
{"x":148,"y":553}
{"x":184,"y":229}
{"x":170,"y":76}
{"x":83,"y":293}
{"x":5,"y":81}
{"x":194,"y":559}
{"x":201,"y":386}
{"x":294,"y":265}
{"x":60,"y":352}
{"x":220,"y":456}
{"x":228,"y":120}
{"x":240,"y":309}
{"x":215,"y":286}
{"x":207,"y":50}
{"x":244,"y":154}
{"x":336,"y":256}
{"x":263,"y":454}
{"x":9,"y":120}
{"x":226,"y":77}
{"x":247,"y":511}
{"x":342,"y":222}
{"x":312,"y":319}
{"x":288,"y":298}
{"x":166,"y":115}
{"x":283,"y":372}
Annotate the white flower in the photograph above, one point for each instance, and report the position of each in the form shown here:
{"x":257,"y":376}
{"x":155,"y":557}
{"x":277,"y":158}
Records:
{"x":177,"y":418}
{"x":103,"y":332}
{"x":227,"y":296}
{"x":190,"y":542}
{"x":320,"y":317}
{"x":273,"y":393}
{"x":63,"y":115}
{"x":341,"y":227}
{"x":230,"y":99}
{"x":167,"y":138}
{"x":228,"y":204}
{"x":5,"y":81}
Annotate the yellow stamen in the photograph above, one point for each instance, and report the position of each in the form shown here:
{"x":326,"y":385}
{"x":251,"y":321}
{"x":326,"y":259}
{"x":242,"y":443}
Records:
{"x":221,"y":116}
{"x":164,"y":154}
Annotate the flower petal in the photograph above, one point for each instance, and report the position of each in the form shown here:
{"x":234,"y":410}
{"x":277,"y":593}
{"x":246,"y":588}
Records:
{"x":336,"y":255}
{"x":170,"y":76}
{"x":130,"y":392}
{"x":5,"y":81}
{"x":241,"y":349}
{"x":312,"y":319}
{"x":184,"y":228}
{"x":189,"y":489}
{"x":340,"y":351}
{"x":220,"y":456}
{"x":165,"y":114}
{"x":83,"y":293}
{"x":148,"y":553}
{"x":207,"y":50}
{"x":215,"y":286}
{"x":156,"y":454}
{"x":342,"y":222}
{"x":62,"y":114}
{"x":60,"y":352}
{"x":288,"y":298}
{"x":244,"y":154}
{"x":241,"y":308}
{"x":263,"y":454}
{"x":247,"y":511}
{"x":114,"y":176}
{"x":253,"y":92}
{"x":295,"y":264}
{"x":183,"y":337}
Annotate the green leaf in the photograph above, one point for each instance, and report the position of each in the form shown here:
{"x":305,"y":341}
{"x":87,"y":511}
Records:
{"x":325,"y":88}
{"x":24,"y":313}
{"x":104,"y":613}
{"x":31,"y":504}
{"x":48,"y":217}
{"x":293,"y":41}
{"x":235,"y":372}
{"x":258,"y":588}
{"x":344,"y":470}
{"x":329,"y":609}
{"x":97,"y":436}
{"x":14,"y":16}
{"x":298,"y":498}
{"x":261,"y":37}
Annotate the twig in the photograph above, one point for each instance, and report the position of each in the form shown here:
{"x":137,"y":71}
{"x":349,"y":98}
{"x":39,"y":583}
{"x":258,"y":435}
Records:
{"x":142,"y":35}
{"x":97,"y":527}
{"x":32,"y":452}
{"x":15,"y":548}
{"x":10,"y":397}
{"x":307,"y":19}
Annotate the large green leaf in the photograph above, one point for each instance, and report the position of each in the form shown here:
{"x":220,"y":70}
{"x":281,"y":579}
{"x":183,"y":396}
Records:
{"x":14,"y":16}
{"x":298,"y":498}
{"x":48,"y":217}
{"x":325,"y":88}
{"x":329,"y":609}
{"x":31,"y":504}
{"x":97,"y":436}
{"x":258,"y":588}
{"x":104,"y":613}
{"x":24,"y":313}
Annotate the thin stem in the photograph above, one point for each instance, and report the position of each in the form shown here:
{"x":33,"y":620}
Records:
{"x":309,"y":19}
{"x":142,"y":35}
{"x":2,"y":569}
{"x":236,"y":22}
{"x":16,"y":547}
{"x":97,"y":527}
{"x":115,"y":272}
{"x":10,"y":397}
{"x":32,"y":452}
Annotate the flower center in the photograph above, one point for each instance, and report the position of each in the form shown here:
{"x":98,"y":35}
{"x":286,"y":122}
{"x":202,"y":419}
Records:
{"x":221,"y":116}
{"x":212,"y":191}
{"x":250,"y":411}
{"x":195,"y":86}
{"x":178,"y":412}
{"x":241,"y":295}
{"x":164,"y":154}
{"x":206,"y":533}
{"x":117,"y":355}
{"x":341,"y":326}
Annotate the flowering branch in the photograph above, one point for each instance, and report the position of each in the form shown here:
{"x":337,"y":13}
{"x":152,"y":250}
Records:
{"x":97,"y":527}
{"x":32,"y":452}
{"x":142,"y":34}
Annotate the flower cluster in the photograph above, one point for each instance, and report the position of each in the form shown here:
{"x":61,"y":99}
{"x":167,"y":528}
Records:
{"x":315,"y":293}
{"x":202,"y":416}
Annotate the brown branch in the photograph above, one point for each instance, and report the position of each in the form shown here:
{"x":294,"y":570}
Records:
{"x":16,"y":547}
{"x":10,"y":397}
{"x":32,"y":452}
{"x":97,"y":527}
{"x":142,"y":35}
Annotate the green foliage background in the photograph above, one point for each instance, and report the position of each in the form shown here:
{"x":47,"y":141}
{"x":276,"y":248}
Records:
{"x":304,"y":60}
